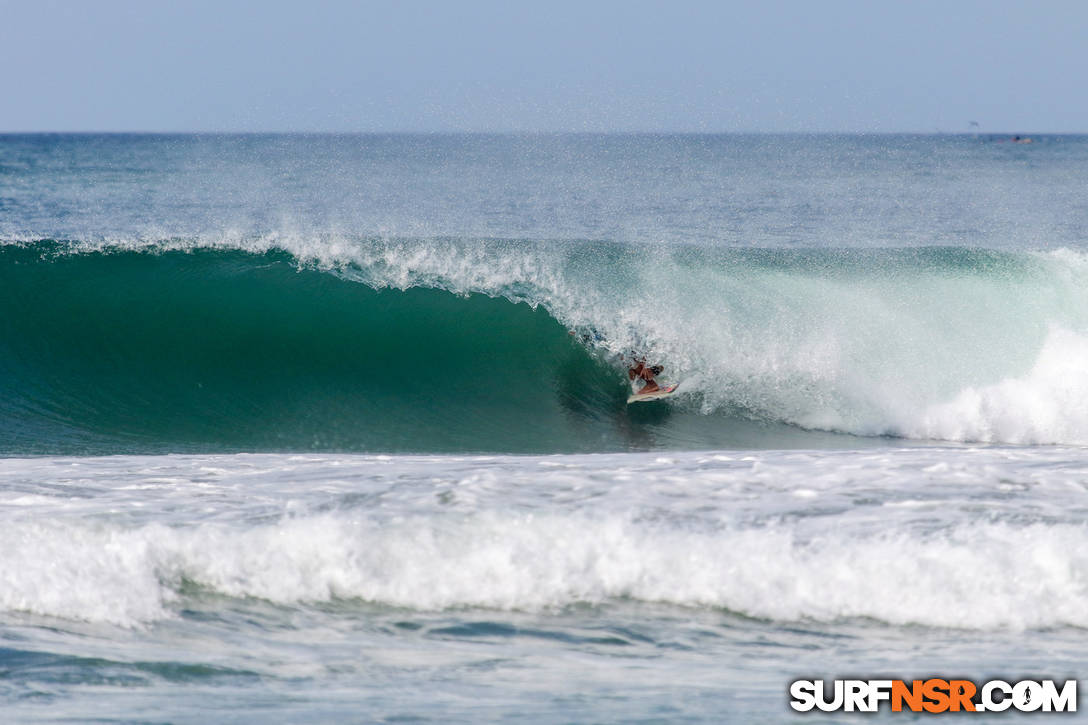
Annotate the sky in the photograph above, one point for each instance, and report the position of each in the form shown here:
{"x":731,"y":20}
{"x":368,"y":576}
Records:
{"x":481,"y":66}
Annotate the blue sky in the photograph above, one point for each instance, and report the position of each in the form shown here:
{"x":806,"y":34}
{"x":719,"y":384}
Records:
{"x":826,"y":65}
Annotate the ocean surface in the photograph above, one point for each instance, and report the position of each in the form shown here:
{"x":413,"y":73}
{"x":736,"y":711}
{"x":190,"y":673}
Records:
{"x":315,"y":428}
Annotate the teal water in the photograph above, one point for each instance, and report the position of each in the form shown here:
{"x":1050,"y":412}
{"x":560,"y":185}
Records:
{"x":234,"y":351}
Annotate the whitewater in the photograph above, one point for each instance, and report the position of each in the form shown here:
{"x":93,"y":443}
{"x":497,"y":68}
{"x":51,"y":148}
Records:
{"x":316,"y":428}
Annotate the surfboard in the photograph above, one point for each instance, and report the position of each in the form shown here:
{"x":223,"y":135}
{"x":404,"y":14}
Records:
{"x":664,"y":392}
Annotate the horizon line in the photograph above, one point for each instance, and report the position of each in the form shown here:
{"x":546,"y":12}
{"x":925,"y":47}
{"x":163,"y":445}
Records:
{"x":451,"y":132}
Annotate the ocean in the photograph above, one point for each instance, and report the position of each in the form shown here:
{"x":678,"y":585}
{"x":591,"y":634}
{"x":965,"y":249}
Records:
{"x":333,"y":428}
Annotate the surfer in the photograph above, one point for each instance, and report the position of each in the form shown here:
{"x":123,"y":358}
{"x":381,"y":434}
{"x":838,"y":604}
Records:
{"x":646,"y":373}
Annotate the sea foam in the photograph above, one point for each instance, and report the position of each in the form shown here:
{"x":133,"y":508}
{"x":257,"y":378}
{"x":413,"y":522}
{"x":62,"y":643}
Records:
{"x":975,"y":576}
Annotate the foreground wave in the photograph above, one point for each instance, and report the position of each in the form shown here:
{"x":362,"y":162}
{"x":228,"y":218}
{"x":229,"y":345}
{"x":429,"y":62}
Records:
{"x":455,"y":345}
{"x":531,"y":562}
{"x":775,"y":535}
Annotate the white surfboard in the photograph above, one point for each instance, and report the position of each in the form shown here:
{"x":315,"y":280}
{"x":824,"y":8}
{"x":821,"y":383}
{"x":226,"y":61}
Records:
{"x":664,"y":392}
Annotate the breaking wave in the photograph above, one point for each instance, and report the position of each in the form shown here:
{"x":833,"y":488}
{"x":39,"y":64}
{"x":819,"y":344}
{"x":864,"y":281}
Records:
{"x":435,"y":345}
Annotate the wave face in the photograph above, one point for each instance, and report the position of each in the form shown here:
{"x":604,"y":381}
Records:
{"x":440,"y":345}
{"x":206,"y":348}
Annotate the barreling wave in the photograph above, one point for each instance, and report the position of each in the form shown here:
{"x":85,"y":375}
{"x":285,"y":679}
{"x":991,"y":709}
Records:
{"x":205,"y":349}
{"x":444,"y":345}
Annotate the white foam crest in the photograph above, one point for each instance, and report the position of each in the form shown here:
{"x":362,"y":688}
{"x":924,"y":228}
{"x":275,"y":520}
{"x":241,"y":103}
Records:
{"x":1047,"y":405}
{"x":975,"y":576}
{"x":881,"y":349}
{"x":92,"y":572}
{"x":520,"y":271}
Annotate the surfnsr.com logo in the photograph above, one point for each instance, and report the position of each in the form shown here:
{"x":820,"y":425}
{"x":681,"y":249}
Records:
{"x":934,"y":695}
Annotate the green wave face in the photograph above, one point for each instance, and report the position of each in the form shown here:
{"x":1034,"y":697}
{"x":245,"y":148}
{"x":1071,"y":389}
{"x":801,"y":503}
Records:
{"x":228,"y":350}
{"x":466,"y":346}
